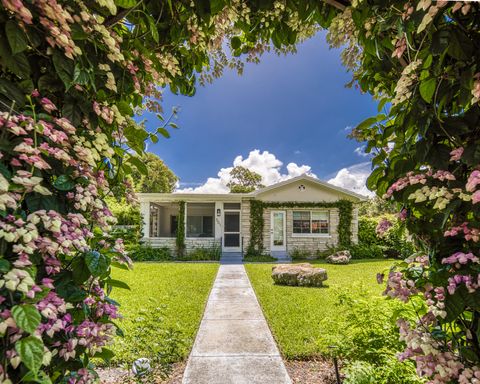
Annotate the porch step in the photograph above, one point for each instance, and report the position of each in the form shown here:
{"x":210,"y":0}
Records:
{"x":231,"y":258}
{"x":281,"y":256}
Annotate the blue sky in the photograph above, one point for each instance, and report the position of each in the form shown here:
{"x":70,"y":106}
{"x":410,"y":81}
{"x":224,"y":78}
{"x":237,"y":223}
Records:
{"x":296,"y":107}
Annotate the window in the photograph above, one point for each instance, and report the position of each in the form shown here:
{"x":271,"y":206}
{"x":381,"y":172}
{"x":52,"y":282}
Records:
{"x":200,"y":219}
{"x":310,"y":222}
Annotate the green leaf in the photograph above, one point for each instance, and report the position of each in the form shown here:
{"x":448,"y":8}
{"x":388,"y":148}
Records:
{"x":118,"y":284}
{"x":427,"y":89}
{"x":16,"y":37}
{"x":30,"y":350}
{"x":39,"y":378}
{"x":163,"y":132}
{"x":64,"y":183}
{"x":125,"y":3}
{"x":382,"y":103}
{"x":80,"y":270}
{"x":12,"y":92}
{"x":139,"y":164}
{"x":373,"y":178}
{"x":116,"y":264}
{"x":97,"y":263}
{"x":80,"y":76}
{"x":65,"y":68}
{"x":27,"y":317}
{"x":105,"y":354}
{"x":153,"y":28}
{"x":4,"y":266}
{"x":235,"y":42}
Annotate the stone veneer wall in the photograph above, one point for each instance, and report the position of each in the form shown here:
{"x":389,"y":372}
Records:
{"x":245,"y":224}
{"x":190,"y":243}
{"x":310,"y":243}
{"x":355,"y":225}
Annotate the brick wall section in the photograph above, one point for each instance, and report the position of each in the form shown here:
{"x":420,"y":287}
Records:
{"x":245,"y":224}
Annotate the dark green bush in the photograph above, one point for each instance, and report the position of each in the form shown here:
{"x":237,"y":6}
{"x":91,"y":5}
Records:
{"x":145,"y":252}
{"x":394,"y":243}
{"x":300,"y":254}
{"x":262,"y":258}
{"x":203,"y":254}
{"x":366,"y":251}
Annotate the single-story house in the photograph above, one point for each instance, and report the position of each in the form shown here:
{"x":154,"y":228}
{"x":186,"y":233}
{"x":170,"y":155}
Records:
{"x":302,"y":212}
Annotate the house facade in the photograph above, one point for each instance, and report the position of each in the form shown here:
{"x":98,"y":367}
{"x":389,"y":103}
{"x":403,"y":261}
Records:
{"x":299,"y":213}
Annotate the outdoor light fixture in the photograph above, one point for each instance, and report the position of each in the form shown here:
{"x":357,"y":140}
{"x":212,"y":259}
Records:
{"x":219,"y":212}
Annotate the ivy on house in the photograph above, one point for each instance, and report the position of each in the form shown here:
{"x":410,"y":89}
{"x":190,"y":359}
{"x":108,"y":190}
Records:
{"x":180,"y":240}
{"x":344,"y":229}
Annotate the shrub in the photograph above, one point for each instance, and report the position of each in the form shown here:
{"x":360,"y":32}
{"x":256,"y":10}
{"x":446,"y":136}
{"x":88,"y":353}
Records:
{"x":300,"y":254}
{"x":145,"y":252}
{"x":203,"y":254}
{"x":366,"y":251}
{"x":261,"y":258}
{"x":367,"y":339}
{"x":394,"y":242}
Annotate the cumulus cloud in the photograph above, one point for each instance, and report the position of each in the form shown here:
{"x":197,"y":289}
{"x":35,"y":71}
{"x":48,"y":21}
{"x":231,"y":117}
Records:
{"x":264,"y":163}
{"x":353,"y":178}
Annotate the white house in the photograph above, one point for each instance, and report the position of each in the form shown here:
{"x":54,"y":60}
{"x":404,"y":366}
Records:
{"x":302,"y":212}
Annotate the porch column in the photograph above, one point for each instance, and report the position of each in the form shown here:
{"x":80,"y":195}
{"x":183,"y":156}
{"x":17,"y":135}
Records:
{"x":218,"y":220}
{"x":145,"y":212}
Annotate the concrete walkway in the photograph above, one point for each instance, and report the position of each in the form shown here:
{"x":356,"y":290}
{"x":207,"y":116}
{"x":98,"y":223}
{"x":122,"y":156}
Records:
{"x":234,"y":344}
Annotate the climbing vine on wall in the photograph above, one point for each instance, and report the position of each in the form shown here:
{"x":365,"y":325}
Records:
{"x":344,"y":229}
{"x":180,"y":240}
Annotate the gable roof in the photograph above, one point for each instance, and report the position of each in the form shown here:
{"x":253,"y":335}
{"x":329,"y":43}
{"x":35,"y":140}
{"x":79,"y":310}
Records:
{"x":313,"y":180}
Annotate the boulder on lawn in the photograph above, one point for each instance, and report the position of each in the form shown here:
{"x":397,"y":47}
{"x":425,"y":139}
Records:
{"x":341,"y":257}
{"x":304,"y":275}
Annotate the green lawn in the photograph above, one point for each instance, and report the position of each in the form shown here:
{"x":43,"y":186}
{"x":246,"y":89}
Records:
{"x":303,"y":320}
{"x":162,"y":311}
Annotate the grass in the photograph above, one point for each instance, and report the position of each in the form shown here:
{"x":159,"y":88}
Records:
{"x":300,"y":318}
{"x":162,"y":311}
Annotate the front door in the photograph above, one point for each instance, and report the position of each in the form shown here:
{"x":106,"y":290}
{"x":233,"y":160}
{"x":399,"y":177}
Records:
{"x":231,"y":231}
{"x":278,"y":231}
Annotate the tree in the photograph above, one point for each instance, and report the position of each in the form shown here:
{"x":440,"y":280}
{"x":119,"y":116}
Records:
{"x":243,"y":180}
{"x":422,"y":61}
{"x":158,"y":179}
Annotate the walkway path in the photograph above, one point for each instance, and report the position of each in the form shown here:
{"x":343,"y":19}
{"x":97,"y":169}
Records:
{"x":234,"y":344}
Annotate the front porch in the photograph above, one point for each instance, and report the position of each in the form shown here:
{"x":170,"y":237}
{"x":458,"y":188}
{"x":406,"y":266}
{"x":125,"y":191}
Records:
{"x":169,"y":220}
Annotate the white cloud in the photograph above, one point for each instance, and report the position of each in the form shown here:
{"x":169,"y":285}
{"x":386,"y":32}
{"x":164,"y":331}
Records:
{"x":354,"y":178}
{"x":360,"y":151}
{"x":264,"y":163}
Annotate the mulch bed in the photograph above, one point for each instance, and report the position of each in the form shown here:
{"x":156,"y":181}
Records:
{"x":315,"y":371}
{"x":123,"y":376}
{"x":300,"y":371}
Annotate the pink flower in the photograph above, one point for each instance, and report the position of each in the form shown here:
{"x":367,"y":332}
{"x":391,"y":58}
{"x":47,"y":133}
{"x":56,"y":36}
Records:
{"x":461,"y":258}
{"x":476,"y":197}
{"x":473,"y":181}
{"x":456,"y":154}
{"x":48,"y":105}
{"x":383,"y":226}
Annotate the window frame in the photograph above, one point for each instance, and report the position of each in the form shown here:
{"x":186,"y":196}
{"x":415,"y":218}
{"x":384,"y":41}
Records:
{"x":311,"y":234}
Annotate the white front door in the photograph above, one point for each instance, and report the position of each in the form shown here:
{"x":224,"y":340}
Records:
{"x":278,"y":231}
{"x":231,"y":231}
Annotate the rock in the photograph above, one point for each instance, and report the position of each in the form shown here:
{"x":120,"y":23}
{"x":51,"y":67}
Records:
{"x":141,"y":367}
{"x":304,"y":275}
{"x":341,"y":257}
